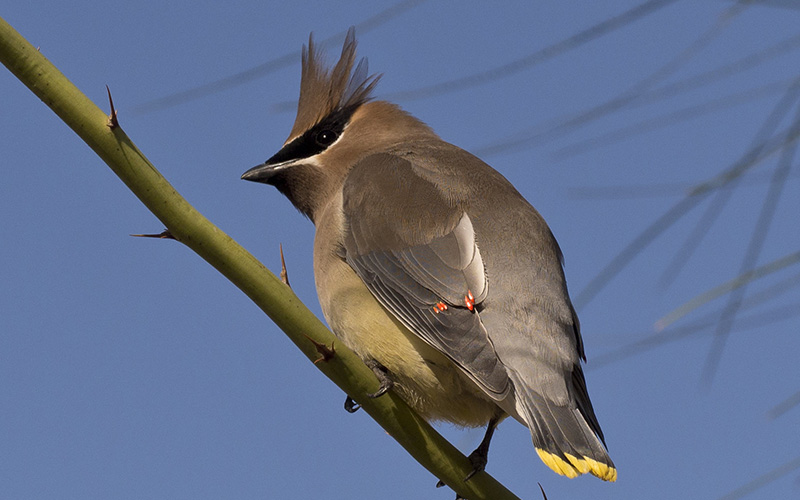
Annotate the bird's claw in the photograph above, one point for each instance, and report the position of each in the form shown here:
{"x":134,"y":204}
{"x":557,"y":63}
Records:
{"x":441,"y":484}
{"x":383,"y":389}
{"x":478,"y":459}
{"x":350,"y":405}
{"x":382,"y":374}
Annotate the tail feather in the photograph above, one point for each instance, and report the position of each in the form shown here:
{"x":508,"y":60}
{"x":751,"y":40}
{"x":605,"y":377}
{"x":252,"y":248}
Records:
{"x":564,"y":440}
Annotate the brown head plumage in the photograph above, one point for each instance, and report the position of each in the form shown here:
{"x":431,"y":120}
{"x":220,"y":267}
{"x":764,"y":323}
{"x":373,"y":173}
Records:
{"x":323,"y":91}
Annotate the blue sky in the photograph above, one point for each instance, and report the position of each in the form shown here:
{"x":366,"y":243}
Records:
{"x":129,"y":368}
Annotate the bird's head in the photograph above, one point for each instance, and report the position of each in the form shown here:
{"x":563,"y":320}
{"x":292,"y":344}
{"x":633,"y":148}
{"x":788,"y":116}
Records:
{"x":337,"y":125}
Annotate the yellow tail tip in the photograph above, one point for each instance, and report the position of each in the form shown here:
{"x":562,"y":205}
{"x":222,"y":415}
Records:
{"x":601,"y":470}
{"x":574,"y":466}
{"x":557,"y":464}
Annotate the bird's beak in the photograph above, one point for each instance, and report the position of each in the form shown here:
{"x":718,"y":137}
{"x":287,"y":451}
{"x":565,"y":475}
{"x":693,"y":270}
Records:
{"x":264,"y":172}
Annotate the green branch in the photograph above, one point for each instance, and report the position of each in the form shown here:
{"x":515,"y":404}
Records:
{"x":277,"y":300}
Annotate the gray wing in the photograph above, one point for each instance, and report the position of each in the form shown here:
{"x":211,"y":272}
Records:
{"x":416,"y":252}
{"x":410,"y":237}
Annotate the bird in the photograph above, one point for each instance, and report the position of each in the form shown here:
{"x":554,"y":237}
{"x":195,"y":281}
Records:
{"x":434,"y":269}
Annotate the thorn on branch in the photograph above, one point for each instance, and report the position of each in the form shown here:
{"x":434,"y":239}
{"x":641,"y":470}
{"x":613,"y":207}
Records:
{"x":325,"y":353}
{"x":284,"y":273}
{"x":165,"y":235}
{"x":541,"y":488}
{"x":112,"y":118}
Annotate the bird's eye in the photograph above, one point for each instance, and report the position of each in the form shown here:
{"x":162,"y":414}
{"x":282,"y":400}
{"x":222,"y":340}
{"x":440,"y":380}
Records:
{"x":326,"y":137}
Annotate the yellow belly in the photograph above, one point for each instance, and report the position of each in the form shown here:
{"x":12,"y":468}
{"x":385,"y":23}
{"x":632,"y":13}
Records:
{"x":427,"y":380}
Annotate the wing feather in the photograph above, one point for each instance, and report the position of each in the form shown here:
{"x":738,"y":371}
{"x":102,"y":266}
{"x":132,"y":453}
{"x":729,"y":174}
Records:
{"x":412,"y":263}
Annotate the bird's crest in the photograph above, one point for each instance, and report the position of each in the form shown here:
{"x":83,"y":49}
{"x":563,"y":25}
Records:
{"x":323,"y":91}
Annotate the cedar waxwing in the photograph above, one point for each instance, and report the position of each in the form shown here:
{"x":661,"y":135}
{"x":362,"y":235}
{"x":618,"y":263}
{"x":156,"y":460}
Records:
{"x":435,"y":270}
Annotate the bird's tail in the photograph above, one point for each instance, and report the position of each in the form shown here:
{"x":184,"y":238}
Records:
{"x":567,"y":438}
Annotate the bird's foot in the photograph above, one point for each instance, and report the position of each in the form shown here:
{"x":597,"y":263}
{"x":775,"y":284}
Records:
{"x":382,"y":374}
{"x":350,"y":405}
{"x":478,"y":458}
{"x":442,"y":484}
